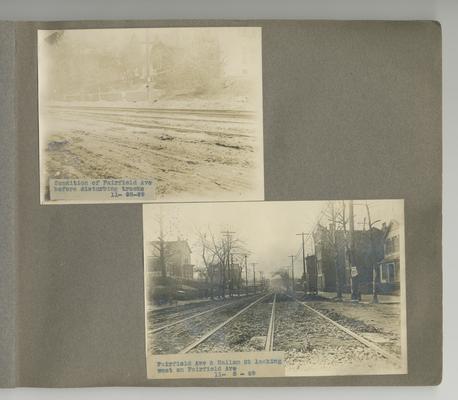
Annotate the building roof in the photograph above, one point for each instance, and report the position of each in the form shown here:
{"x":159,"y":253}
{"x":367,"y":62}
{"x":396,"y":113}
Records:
{"x":175,"y":245}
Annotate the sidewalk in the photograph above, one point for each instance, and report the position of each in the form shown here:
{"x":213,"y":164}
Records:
{"x":365,"y":298}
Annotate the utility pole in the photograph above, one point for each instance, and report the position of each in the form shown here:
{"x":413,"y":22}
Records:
{"x":254,"y":276}
{"x":231,"y":274}
{"x":148,"y":82}
{"x":347,"y":253}
{"x":292,"y":274}
{"x":303,"y":260}
{"x":373,"y":257}
{"x":335,"y":250}
{"x":246,"y":275}
{"x":354,"y":272}
{"x":228,"y":235}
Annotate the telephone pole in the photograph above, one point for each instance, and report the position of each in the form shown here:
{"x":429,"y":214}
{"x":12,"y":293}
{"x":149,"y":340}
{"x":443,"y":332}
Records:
{"x":335,"y":251}
{"x":292,"y":274}
{"x":303,"y":259}
{"x":246,"y":274}
{"x":373,"y":257}
{"x":228,"y":235}
{"x":231,"y":275}
{"x":148,"y":79}
{"x":261,"y":280}
{"x":254,"y":276}
{"x":354,"y":272}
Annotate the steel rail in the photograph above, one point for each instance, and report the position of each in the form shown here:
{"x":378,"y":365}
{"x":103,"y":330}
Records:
{"x":194,"y":316}
{"x":354,"y":335}
{"x":214,"y":330}
{"x":270,"y":333}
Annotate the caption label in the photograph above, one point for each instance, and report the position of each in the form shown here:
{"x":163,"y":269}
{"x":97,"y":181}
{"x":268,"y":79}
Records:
{"x":217,"y":365}
{"x":102,"y":189}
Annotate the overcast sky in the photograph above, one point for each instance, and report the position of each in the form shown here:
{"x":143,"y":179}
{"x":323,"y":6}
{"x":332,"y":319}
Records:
{"x":268,"y":229}
{"x":238,"y":45}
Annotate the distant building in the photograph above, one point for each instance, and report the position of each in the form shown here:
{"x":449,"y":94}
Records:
{"x":233,"y":274}
{"x":177,"y":260}
{"x":315,"y":280}
{"x":214,"y":272}
{"x":364,"y":257}
{"x":390,"y":265}
{"x":236,"y":274}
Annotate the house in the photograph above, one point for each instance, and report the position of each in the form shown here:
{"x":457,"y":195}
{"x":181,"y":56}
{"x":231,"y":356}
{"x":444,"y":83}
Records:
{"x":389,"y":267}
{"x":170,"y":259}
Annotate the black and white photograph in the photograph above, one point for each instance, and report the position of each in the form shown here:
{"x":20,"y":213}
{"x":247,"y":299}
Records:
{"x":318,"y":284}
{"x":150,"y":114}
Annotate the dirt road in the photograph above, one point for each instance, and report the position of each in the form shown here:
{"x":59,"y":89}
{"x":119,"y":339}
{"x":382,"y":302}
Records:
{"x":191,"y":153}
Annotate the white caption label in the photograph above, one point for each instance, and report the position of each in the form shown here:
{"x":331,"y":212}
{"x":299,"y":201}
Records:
{"x":123,"y":190}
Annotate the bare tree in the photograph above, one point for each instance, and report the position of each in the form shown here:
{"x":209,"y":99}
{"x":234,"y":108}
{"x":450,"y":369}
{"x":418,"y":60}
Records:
{"x":342,"y":220}
{"x":373,"y":257}
{"x":160,"y":246}
{"x":217,"y":249}
{"x":332,"y":240}
{"x":223,"y":248}
{"x":208,"y":257}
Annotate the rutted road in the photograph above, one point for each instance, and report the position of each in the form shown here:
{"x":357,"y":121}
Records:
{"x":193,"y":153}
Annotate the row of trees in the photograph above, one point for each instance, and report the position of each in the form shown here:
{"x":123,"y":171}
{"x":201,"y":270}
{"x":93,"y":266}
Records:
{"x":220,"y":271}
{"x":223,"y":259}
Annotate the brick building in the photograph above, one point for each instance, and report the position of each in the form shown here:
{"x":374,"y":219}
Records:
{"x":368,"y":250}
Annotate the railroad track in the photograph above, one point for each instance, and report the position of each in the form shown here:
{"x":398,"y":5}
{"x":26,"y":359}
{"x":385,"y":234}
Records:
{"x":207,"y":335}
{"x":367,"y":343}
{"x":371,"y":345}
{"x":202,"y":328}
{"x":271,"y":332}
{"x":272,"y":329}
{"x":193,"y":315}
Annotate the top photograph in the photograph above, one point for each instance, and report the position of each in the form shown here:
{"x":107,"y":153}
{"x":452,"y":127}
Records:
{"x":150,"y":115}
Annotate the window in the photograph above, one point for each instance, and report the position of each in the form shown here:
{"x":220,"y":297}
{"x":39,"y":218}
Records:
{"x":387,"y":273}
{"x":392,"y":245}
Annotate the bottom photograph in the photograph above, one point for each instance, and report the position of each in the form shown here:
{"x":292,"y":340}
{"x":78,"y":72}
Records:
{"x":271,"y":289}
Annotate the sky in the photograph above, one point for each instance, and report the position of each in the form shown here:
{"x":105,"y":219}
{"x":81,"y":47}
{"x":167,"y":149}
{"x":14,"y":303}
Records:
{"x":238,"y":45}
{"x":268,"y":229}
